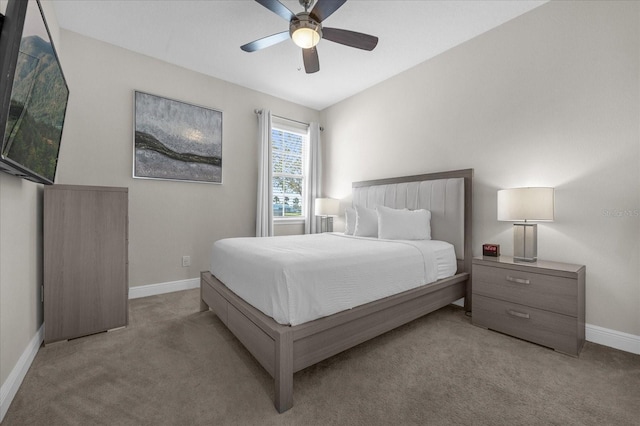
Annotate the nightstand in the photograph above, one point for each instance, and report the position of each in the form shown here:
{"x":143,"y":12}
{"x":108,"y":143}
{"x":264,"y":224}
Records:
{"x":542,"y":302}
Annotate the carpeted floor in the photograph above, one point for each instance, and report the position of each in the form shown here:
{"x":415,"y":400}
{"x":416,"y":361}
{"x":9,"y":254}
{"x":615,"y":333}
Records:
{"x":174,"y":365}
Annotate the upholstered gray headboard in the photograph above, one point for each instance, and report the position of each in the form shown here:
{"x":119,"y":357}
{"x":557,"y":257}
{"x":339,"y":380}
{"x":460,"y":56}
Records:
{"x":447,"y":195}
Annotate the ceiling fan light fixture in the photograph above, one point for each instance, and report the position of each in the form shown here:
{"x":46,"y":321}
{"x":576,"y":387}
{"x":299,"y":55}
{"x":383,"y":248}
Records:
{"x":305,"y":38}
{"x":305,"y":32}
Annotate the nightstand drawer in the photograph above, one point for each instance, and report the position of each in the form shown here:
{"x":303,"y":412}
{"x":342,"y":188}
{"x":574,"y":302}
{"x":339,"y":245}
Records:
{"x":551,"y":293}
{"x":535,"y":325}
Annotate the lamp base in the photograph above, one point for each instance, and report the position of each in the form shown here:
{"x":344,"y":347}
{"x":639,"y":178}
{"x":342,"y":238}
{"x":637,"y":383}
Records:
{"x":326,"y":224}
{"x":525,"y":242}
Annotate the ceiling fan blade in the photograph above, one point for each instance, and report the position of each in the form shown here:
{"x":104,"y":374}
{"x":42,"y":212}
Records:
{"x":324,"y":8}
{"x":278,"y":8}
{"x":350,"y":38}
{"x":265,"y":42}
{"x":311,"y":61}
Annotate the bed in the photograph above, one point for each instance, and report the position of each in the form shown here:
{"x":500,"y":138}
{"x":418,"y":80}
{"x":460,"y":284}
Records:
{"x":283,"y":349}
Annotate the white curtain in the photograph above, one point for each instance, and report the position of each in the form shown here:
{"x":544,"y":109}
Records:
{"x":264,"y":212}
{"x":314,"y":178}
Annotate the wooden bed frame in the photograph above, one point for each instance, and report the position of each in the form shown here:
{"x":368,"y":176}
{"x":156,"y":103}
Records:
{"x":283,"y":350}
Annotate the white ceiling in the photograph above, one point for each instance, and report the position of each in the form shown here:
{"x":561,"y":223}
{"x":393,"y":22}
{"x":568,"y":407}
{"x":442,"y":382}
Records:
{"x":206,"y":36}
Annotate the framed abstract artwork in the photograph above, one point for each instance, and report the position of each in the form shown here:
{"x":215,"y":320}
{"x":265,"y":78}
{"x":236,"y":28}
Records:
{"x":175,"y":140}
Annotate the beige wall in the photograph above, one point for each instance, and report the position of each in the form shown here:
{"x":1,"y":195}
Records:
{"x":20,"y":268}
{"x":167,"y":219}
{"x":548,"y":99}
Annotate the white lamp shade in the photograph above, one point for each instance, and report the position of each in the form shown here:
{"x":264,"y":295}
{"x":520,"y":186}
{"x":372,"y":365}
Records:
{"x":327,"y":207}
{"x":525,"y":204}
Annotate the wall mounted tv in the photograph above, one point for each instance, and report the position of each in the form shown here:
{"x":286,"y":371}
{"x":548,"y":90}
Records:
{"x":33,"y":94}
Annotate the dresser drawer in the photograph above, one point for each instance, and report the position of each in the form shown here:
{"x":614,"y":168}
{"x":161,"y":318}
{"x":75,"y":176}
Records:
{"x":535,"y":325}
{"x":551,"y":293}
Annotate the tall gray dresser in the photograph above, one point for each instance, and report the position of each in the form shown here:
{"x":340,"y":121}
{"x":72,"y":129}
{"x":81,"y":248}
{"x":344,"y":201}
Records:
{"x":85,"y":260}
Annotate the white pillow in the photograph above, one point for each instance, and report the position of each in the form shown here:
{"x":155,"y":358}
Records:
{"x":404,"y":224}
{"x":349,"y":220}
{"x":366,"y":222}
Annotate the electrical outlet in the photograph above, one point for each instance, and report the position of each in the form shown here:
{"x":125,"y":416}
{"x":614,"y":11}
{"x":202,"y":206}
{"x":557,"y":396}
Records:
{"x":186,"y":261}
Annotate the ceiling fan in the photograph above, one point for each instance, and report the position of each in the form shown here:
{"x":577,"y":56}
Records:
{"x":306,"y":30}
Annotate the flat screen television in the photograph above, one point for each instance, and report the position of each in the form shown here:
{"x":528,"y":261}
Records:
{"x":33,"y":94}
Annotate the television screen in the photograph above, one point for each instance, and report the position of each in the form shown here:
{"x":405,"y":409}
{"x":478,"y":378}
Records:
{"x":34,"y":117}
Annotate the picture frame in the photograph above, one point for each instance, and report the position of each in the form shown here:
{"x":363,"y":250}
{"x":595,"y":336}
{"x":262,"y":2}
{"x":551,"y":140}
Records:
{"x":175,"y":140}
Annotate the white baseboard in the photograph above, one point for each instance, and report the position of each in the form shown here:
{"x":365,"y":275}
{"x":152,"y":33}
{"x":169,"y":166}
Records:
{"x":14,"y":380}
{"x":612,"y":338}
{"x":161,"y":288}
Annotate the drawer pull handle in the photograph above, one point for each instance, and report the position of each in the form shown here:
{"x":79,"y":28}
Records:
{"x":518,"y":280}
{"x":517,"y":314}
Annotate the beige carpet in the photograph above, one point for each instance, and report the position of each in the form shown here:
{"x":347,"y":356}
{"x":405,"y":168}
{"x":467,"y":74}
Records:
{"x":176,"y":366}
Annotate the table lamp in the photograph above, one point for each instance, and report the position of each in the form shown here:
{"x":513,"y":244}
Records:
{"x":326,"y":208}
{"x":525,"y":204}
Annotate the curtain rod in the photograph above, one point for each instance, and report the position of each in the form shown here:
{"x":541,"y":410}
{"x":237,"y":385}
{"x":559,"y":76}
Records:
{"x":259,"y":112}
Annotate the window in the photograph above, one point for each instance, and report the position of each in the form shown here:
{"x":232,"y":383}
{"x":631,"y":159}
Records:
{"x":288,"y":155}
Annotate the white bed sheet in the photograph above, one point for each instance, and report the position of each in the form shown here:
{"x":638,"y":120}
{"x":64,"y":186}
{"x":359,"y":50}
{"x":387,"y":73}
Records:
{"x":296,"y":279}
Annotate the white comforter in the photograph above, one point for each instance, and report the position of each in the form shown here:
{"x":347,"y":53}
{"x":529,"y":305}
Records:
{"x":296,"y":279}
